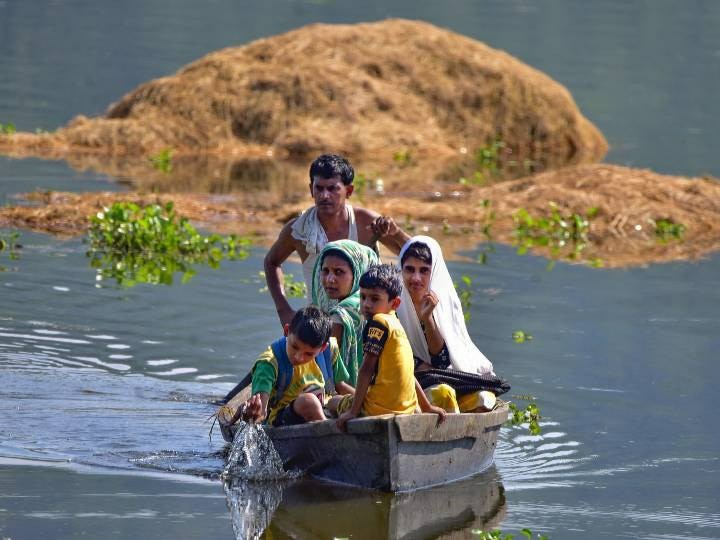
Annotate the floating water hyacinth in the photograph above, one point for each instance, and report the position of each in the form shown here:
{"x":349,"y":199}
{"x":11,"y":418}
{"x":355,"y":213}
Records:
{"x":149,"y":244}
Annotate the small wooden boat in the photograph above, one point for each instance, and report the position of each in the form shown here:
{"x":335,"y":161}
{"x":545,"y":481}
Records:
{"x":389,"y":452}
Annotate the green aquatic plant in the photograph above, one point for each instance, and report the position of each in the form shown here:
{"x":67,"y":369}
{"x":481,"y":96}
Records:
{"x":134,"y":244}
{"x":530,"y":415}
{"x":487,"y":161}
{"x":519,"y":336}
{"x":162,"y":161}
{"x":7,"y":129}
{"x":360,"y":182}
{"x":408,"y":224}
{"x":497,"y":534}
{"x":9,"y":245}
{"x":667,"y":229}
{"x":402,"y":157}
{"x":292,"y":288}
{"x":568,"y":234}
{"x":465,"y":293}
{"x":487,"y":223}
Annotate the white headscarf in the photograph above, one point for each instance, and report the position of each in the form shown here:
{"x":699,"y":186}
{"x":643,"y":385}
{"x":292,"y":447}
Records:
{"x":448,"y":315}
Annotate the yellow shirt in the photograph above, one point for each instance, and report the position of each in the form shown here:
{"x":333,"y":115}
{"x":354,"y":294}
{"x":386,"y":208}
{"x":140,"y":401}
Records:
{"x":393,"y":388}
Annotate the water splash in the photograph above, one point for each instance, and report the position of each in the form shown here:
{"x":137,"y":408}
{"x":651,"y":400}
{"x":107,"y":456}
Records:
{"x":252,"y":505}
{"x":252,"y":456}
{"x":254,"y":479}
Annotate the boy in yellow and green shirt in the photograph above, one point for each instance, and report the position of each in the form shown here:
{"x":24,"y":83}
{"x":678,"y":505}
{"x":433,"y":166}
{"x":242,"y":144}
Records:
{"x":386,"y":382}
{"x":295,"y":376}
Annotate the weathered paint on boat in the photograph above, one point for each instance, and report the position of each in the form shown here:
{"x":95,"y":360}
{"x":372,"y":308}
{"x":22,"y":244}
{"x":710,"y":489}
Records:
{"x":391,"y":453}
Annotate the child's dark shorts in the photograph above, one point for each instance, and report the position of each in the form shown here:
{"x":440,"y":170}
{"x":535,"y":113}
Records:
{"x":288,"y":417}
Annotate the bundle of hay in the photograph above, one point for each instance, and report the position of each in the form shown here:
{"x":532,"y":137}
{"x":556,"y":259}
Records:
{"x":363,"y":90}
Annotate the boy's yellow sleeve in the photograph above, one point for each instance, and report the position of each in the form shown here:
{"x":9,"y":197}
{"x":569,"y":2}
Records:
{"x":264,"y":372}
{"x":340,"y":372}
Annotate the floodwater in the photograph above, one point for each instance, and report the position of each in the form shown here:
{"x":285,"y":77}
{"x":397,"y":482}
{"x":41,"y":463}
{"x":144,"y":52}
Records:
{"x":105,"y":393}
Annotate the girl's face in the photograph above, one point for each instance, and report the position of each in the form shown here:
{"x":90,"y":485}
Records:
{"x":336,"y":276}
{"x":416,"y":276}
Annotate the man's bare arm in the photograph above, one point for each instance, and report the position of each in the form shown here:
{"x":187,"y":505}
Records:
{"x":278,"y":254}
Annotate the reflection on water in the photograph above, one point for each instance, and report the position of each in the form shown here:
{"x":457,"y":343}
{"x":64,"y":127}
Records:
{"x":314,"y":509}
{"x":251,"y":505}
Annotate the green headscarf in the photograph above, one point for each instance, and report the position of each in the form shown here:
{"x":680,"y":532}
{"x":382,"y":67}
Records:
{"x":348,"y":309}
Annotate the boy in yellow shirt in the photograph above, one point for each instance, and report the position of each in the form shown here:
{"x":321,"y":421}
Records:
{"x":294,"y":377}
{"x":386,"y":383}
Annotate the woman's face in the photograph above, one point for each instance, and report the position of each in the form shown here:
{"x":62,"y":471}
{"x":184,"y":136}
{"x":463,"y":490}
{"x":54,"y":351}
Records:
{"x":336,"y":276}
{"x":416,"y":276}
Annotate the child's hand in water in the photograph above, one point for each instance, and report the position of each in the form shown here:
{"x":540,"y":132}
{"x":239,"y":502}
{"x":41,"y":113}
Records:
{"x":253,"y":410}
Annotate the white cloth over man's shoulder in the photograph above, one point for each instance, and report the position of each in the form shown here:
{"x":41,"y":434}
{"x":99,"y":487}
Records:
{"x":308,"y":229}
{"x":448,"y":315}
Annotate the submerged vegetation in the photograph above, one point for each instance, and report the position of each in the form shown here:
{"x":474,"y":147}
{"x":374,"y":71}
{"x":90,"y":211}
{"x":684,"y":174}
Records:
{"x":9,"y":244}
{"x":666,"y":229}
{"x":292,"y":288}
{"x":464,"y":290}
{"x":487,"y":161}
{"x":162,"y":161}
{"x":486,"y":226}
{"x":564,"y":235}
{"x":134,"y":244}
{"x":7,"y":129}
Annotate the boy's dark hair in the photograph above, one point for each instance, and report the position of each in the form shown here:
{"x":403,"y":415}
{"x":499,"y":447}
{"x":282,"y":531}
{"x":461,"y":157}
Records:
{"x":311,"y":325}
{"x":385,"y":277}
{"x":329,"y":165}
{"x":419,"y":251}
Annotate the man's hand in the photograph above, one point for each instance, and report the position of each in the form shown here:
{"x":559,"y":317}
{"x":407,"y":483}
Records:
{"x":343,"y":420}
{"x":427,"y":306}
{"x":383,"y":226}
{"x":254,"y":409}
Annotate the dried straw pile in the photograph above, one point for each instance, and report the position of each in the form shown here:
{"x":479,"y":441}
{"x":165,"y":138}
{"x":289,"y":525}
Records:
{"x":622,"y":233}
{"x":359,"y":89}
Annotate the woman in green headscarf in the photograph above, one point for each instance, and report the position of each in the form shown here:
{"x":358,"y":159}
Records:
{"x":336,"y":290}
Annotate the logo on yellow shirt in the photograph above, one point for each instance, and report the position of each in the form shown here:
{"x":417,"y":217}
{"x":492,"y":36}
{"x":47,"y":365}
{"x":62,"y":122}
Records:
{"x":376,"y":333}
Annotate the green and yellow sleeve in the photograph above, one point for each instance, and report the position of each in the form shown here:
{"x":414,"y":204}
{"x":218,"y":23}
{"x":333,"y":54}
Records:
{"x":264,"y":372}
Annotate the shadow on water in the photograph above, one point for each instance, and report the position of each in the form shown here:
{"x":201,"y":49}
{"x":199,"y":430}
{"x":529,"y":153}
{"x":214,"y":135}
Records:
{"x":301,"y":510}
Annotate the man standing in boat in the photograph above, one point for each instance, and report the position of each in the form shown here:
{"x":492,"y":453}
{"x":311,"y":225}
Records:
{"x":331,"y":218}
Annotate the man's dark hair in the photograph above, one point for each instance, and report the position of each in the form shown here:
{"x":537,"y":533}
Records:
{"x":311,"y":325}
{"x":419,"y":251}
{"x":385,"y":277}
{"x":330,"y":165}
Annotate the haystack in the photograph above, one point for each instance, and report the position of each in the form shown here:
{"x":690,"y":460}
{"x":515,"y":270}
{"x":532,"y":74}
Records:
{"x":363,"y":90}
{"x":629,"y":204}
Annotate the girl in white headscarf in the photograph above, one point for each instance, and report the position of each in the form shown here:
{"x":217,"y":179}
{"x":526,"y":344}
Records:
{"x":432,"y":317}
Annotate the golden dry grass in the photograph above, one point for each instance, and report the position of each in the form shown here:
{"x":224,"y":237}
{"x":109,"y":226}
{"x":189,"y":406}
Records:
{"x":622,"y":233}
{"x":364,"y":90}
